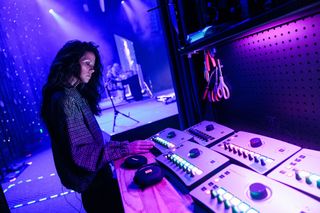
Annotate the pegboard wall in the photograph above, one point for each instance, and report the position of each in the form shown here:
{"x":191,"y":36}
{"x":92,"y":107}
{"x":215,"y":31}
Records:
{"x":274,"y":77}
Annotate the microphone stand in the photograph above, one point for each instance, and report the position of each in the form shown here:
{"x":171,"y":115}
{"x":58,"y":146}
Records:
{"x":116,"y":112}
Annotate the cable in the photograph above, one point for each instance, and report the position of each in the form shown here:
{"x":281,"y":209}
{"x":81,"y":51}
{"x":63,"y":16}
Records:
{"x":75,"y":208}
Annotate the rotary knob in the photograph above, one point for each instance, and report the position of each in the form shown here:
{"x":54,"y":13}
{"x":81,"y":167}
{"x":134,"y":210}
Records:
{"x":258,"y":191}
{"x":255,"y":142}
{"x":209,"y":127}
{"x":193,"y":153}
{"x":171,"y":134}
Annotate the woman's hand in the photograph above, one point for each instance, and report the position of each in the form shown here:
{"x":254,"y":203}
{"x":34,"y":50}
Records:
{"x":140,"y":146}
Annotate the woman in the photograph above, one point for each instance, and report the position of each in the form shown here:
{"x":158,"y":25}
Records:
{"x":81,"y":151}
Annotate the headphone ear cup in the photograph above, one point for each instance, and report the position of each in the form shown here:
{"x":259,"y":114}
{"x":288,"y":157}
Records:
{"x":148,"y":175}
{"x":135,"y":161}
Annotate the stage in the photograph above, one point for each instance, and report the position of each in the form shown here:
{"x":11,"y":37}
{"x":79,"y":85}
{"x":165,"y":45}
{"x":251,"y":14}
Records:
{"x":146,"y":111}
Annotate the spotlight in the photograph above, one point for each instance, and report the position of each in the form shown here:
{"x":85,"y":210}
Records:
{"x":122,"y":2}
{"x":85,"y":7}
{"x":102,"y":7}
{"x":51,"y":11}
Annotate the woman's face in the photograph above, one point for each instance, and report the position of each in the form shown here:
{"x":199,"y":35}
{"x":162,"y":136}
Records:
{"x":87,"y":62}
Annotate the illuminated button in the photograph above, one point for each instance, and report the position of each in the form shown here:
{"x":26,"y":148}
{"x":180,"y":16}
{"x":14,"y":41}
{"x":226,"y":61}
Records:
{"x":268,"y":160}
{"x":214,"y":193}
{"x":186,"y":166}
{"x":235,"y":209}
{"x":314,"y":178}
{"x":221,"y":191}
{"x":243,"y":207}
{"x":227,"y":204}
{"x":308,"y":180}
{"x":235,"y":201}
{"x":300,"y":174}
{"x":199,"y":172}
{"x":258,"y":191}
{"x":171,"y":145}
{"x":194,"y":170}
{"x":255,"y":142}
{"x":182,"y":163}
{"x":227,"y":196}
{"x":252,"y":211}
{"x":220,"y":199}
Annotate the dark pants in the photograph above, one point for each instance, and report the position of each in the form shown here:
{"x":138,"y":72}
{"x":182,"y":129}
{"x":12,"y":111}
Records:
{"x":103,"y":195}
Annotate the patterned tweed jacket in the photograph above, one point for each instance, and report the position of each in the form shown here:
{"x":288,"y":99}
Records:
{"x":79,"y":147}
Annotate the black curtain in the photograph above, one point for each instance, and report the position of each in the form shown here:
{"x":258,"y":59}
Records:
{"x":183,"y":75}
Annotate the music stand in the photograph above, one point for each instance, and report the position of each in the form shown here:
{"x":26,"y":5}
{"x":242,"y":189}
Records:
{"x":116,"y":112}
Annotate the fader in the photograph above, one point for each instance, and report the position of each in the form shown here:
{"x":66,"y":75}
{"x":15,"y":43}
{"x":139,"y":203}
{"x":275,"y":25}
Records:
{"x":237,"y":189}
{"x":208,"y":133}
{"x":258,"y":152}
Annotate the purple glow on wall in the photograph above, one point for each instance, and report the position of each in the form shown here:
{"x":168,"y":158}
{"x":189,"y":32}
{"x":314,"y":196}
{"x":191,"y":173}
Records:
{"x":274,"y":73}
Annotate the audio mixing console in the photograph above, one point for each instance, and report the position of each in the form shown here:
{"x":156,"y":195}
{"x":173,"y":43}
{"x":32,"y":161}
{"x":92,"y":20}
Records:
{"x":168,"y":139}
{"x":237,"y":189}
{"x":260,"y":153}
{"x":191,"y":162}
{"x":208,"y":133}
{"x":301,"y":171}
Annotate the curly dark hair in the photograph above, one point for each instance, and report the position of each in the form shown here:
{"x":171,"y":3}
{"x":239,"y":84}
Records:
{"x":66,"y":64}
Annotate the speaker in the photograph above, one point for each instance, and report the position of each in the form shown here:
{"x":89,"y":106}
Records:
{"x":135,"y":88}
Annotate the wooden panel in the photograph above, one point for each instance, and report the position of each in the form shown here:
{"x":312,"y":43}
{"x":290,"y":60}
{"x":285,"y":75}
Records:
{"x":161,"y":197}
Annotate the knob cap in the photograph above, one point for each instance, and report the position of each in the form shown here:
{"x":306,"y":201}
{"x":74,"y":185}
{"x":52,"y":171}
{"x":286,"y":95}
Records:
{"x":171,"y":134}
{"x":258,"y":191}
{"x":193,"y":153}
{"x":255,"y":142}
{"x":209,"y":127}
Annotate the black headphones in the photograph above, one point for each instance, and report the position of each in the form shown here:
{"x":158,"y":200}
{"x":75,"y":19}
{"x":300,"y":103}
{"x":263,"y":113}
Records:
{"x":135,"y":161}
{"x":148,"y":175}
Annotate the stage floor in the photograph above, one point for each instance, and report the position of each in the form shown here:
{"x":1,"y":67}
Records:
{"x":145,"y":111}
